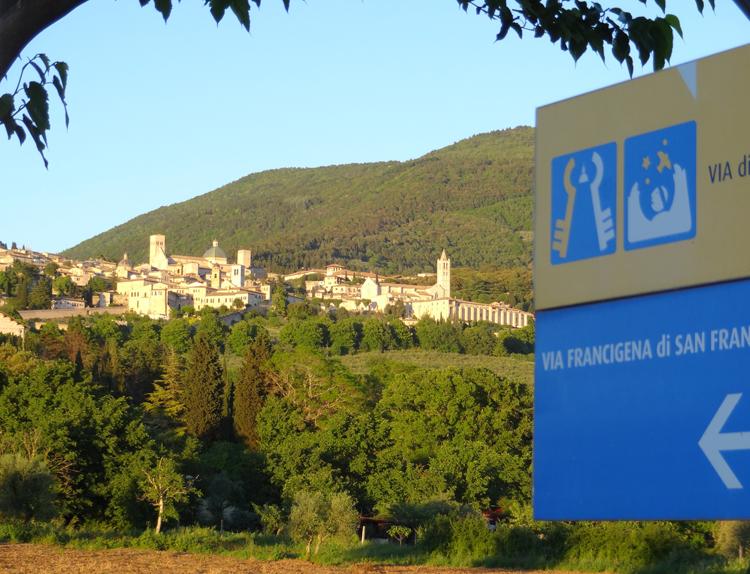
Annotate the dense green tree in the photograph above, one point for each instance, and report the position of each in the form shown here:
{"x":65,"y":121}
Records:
{"x":479,"y":339}
{"x":105,"y":328}
{"x":164,"y":487}
{"x":438,"y":335}
{"x":40,"y":296}
{"x":175,"y":334}
{"x":50,"y":270}
{"x":464,"y":433}
{"x":241,"y":466}
{"x":401,"y":335}
{"x":376,"y":335}
{"x":89,"y":440}
{"x":21,"y":292}
{"x":301,"y":310}
{"x":315,"y":384}
{"x":311,"y":333}
{"x":346,"y":335}
{"x":520,"y":341}
{"x":166,"y":402}
{"x":240,"y":336}
{"x":203,"y":389}
{"x":50,"y":343}
{"x":63,"y":285}
{"x":141,"y":360}
{"x":278,"y":299}
{"x":7,"y":282}
{"x":211,"y":328}
{"x":250,"y":391}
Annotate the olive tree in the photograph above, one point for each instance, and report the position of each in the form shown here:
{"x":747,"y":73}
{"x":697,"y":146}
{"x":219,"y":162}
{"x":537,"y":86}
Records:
{"x":317,"y":516}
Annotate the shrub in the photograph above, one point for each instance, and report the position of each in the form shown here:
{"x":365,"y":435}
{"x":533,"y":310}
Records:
{"x":631,"y":547}
{"x":316,"y":516}
{"x":271,"y":518}
{"x":27,"y":488}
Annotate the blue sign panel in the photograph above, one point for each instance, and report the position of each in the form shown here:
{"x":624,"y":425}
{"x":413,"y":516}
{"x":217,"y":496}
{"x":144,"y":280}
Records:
{"x":584,"y":200}
{"x":642,"y":407}
{"x":660,"y":186}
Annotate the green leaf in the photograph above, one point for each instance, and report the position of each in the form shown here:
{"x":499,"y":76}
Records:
{"x":42,"y":76}
{"x":674,"y":22}
{"x":20,"y":134}
{"x":36,"y":136}
{"x":62,"y":71}
{"x":241,"y":9}
{"x":61,"y":94}
{"x":164,"y":7}
{"x":37,"y":105}
{"x":217,"y":8}
{"x":662,"y":4}
{"x":6,"y":106}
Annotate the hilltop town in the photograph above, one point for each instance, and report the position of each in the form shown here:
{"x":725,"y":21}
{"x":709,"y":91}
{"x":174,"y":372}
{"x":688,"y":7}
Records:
{"x":171,"y":283}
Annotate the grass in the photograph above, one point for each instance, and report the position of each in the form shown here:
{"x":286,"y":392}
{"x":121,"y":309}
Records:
{"x":199,"y":541}
{"x":517,"y":367}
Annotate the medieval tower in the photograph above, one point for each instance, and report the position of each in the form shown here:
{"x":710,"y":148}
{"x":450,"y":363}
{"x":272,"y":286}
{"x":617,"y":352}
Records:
{"x":157,"y":252}
{"x":443,"y":284}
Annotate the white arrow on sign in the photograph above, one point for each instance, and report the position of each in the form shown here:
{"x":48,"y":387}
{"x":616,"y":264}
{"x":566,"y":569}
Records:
{"x":713,"y":441}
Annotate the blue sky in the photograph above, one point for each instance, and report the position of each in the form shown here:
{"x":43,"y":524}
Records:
{"x":164,"y":112}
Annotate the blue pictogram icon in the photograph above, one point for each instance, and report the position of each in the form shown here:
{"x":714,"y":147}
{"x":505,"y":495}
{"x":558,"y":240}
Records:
{"x":660,"y":205}
{"x":584,"y":200}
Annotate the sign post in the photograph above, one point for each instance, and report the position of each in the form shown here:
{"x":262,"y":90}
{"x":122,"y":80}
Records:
{"x":642,"y":281}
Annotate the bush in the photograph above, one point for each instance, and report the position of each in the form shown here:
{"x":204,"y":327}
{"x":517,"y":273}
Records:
{"x":464,"y":539}
{"x":632,"y":547}
{"x":472,"y":542}
{"x":27,"y":488}
{"x":316,"y":515}
{"x":271,"y":519}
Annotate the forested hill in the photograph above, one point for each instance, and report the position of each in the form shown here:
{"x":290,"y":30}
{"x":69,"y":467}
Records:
{"x":472,"y":198}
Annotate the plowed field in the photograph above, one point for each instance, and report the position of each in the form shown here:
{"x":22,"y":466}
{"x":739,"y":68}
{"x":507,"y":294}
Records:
{"x":43,"y":559}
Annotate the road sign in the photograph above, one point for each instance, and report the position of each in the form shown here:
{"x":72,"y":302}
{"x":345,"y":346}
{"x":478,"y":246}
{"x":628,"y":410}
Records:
{"x":648,"y":418}
{"x":700,"y":110}
{"x":642,"y":380}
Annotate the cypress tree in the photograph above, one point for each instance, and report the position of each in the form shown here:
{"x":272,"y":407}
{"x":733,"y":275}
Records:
{"x":250,"y":390}
{"x":167,"y":396}
{"x":203,"y":386}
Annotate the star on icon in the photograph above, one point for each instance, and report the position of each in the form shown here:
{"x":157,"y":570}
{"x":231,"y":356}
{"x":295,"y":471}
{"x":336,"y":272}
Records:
{"x":664,"y":161}
{"x":646,"y":162}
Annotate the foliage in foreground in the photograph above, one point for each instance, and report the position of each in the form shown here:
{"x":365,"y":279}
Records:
{"x":289,"y":446}
{"x":456,"y":539}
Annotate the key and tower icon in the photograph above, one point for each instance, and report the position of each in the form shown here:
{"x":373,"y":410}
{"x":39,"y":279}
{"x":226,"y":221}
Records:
{"x":584,"y":203}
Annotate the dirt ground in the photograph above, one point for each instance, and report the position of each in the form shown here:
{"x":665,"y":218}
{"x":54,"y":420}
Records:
{"x":43,"y":559}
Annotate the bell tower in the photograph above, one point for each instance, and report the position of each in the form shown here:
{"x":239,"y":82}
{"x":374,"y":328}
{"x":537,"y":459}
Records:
{"x":444,"y":275}
{"x":157,"y":252}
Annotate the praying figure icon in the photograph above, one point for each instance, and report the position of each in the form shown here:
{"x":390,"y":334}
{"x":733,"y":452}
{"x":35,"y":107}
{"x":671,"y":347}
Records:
{"x":660,"y":186}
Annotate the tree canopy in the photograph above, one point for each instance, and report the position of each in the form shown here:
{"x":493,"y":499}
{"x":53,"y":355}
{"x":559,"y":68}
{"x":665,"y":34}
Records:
{"x":575,"y":25}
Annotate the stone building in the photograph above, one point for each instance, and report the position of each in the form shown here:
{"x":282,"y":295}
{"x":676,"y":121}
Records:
{"x":175,"y":281}
{"x":419,"y":301}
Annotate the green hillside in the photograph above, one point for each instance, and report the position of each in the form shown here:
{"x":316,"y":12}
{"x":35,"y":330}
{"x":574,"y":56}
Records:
{"x":472,"y":198}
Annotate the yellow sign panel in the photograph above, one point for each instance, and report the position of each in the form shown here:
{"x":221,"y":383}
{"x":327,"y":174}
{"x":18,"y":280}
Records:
{"x":645,"y":186}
